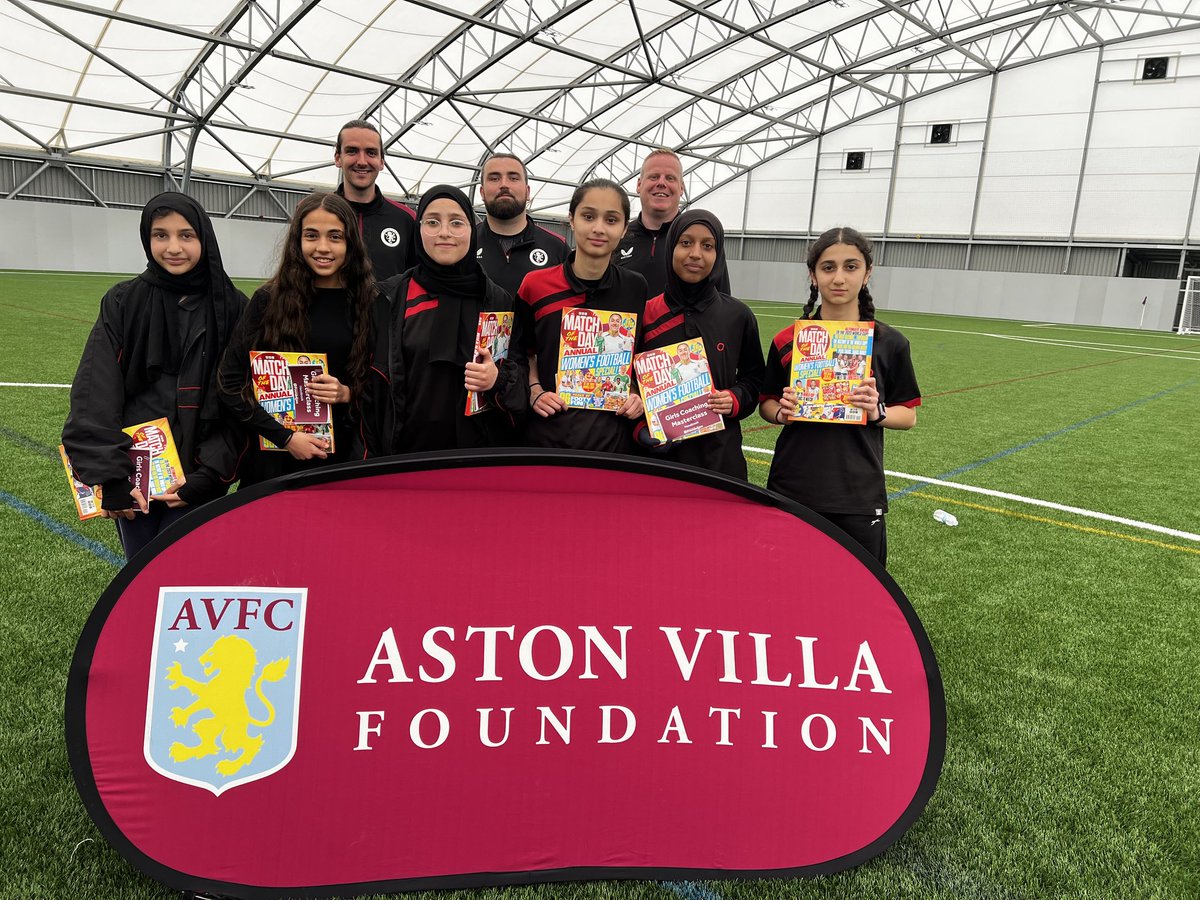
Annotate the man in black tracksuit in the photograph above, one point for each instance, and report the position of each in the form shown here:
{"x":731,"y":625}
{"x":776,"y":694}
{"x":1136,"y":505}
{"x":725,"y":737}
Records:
{"x":511,"y":245}
{"x":387,"y":226}
{"x":660,"y":189}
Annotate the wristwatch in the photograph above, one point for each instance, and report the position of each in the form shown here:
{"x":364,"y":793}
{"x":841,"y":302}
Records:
{"x":882,"y":413}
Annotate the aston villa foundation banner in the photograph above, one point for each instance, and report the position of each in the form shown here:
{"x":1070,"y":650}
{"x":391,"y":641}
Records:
{"x":445,"y":671}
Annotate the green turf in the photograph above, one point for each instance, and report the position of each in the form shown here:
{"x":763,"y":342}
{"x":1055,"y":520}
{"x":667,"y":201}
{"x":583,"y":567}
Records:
{"x":1068,"y":646}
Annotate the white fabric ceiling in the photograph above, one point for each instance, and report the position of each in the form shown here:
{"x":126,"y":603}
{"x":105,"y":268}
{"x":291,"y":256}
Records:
{"x":577,"y":88}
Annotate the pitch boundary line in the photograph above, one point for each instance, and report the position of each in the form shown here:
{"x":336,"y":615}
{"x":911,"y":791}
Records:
{"x":955,"y":501}
{"x":1031,"y":501}
{"x":32,"y":384}
{"x":1159,"y":352}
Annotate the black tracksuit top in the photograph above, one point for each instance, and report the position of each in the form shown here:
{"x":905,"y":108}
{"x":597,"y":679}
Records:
{"x":735,"y":359}
{"x":533,"y":249}
{"x":537,"y":330}
{"x":389,"y":229}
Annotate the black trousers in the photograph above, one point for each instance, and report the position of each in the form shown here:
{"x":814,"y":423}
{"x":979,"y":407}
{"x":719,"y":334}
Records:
{"x":137,"y":532}
{"x":870,"y":531}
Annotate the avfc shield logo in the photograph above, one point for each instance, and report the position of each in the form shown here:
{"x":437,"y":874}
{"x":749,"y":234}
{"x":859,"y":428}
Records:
{"x":538,"y":256}
{"x":224,"y":693}
{"x":390,"y":237}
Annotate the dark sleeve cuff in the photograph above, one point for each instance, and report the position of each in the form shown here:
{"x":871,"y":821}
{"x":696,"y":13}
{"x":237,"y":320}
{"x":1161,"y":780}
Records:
{"x":116,"y":494}
{"x":201,"y":487}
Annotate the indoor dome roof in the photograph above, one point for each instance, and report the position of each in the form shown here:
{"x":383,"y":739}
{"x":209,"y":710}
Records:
{"x":259,"y":89}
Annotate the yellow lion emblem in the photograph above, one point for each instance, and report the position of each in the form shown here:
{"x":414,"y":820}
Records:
{"x":233,"y":660}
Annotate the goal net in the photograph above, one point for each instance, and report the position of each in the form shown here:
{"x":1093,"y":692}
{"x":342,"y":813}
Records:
{"x":1189,"y":315}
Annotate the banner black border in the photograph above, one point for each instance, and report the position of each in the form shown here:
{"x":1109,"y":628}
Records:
{"x":75,"y":709}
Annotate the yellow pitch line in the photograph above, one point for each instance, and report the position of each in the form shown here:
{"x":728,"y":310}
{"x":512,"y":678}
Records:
{"x":1046,"y":521}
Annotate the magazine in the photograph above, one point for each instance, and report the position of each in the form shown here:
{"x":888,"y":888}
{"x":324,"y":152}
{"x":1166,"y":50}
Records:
{"x":154,"y":453}
{"x":156,"y":466}
{"x":87,"y":499}
{"x":595,"y":358}
{"x":281,"y":388}
{"x":675,"y":384}
{"x":494,"y":333}
{"x":829,"y":360}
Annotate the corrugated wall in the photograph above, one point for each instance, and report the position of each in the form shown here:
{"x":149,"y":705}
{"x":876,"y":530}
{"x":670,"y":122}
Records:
{"x":921,"y":254}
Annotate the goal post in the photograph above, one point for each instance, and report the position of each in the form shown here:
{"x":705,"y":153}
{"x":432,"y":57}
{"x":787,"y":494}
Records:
{"x":1189,"y":313}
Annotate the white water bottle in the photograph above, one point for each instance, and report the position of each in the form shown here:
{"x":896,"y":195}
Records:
{"x":940,"y":515}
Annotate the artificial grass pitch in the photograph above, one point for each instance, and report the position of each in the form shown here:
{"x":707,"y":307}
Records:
{"x":1068,"y":646}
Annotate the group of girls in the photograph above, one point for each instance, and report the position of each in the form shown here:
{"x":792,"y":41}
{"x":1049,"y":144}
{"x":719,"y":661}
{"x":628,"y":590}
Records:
{"x":176,"y":341}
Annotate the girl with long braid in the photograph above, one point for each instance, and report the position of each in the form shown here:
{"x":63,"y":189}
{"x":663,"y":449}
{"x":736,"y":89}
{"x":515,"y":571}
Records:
{"x":322,"y":299}
{"x":837,"y":470}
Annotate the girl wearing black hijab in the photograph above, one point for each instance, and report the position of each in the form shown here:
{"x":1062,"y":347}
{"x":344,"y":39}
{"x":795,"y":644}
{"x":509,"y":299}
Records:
{"x":693,"y":307}
{"x":431,"y":359}
{"x":153,"y":353}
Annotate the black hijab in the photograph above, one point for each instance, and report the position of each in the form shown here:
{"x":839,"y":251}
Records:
{"x":459,"y":287}
{"x":463,"y":278}
{"x":679,"y":292}
{"x":153,"y":347}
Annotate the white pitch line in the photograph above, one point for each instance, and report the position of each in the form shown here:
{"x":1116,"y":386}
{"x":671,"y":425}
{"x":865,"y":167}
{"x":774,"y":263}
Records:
{"x":1162,"y":352}
{"x":31,"y":384}
{"x":1032,"y":501}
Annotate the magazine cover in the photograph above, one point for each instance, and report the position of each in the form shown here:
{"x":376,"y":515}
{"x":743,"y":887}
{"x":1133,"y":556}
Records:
{"x":595,"y":358}
{"x":155,"y":461}
{"x":156,"y":464}
{"x":675,"y":384}
{"x":87,"y":499}
{"x":829,"y":359}
{"x":281,"y":388}
{"x":493,"y":333}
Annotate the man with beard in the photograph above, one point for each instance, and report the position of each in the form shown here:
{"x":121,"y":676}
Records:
{"x":660,"y":189}
{"x":387,"y":227}
{"x":511,"y":245}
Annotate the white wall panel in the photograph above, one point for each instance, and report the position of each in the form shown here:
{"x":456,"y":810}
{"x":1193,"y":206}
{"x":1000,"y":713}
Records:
{"x":875,"y":133}
{"x":728,"y":203}
{"x":857,"y":198}
{"x":1067,"y":299}
{"x":1035,"y":146}
{"x":61,"y":237}
{"x":852,"y":198}
{"x":935,"y":189}
{"x":963,"y":101}
{"x":781,"y":192}
{"x":1145,"y":148}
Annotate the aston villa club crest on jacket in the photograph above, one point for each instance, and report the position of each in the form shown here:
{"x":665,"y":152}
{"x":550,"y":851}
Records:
{"x":224,"y":697}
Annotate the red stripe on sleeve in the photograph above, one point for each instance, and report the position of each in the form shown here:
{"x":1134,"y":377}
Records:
{"x":539,"y":314}
{"x":665,"y":326}
{"x":785,"y":337}
{"x":420,"y":308}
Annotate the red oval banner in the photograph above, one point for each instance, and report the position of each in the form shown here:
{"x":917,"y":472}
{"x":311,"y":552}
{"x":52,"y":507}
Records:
{"x":472,"y":669}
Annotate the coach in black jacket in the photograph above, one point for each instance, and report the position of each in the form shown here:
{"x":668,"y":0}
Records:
{"x":387,"y":227}
{"x":511,"y":245}
{"x":660,"y":189}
